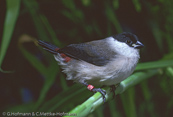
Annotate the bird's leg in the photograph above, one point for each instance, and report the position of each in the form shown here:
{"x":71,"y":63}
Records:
{"x":91,"y":88}
{"x":113,"y":88}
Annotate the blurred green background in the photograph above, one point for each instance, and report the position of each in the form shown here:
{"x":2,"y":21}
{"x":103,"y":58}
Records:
{"x":31,"y":80}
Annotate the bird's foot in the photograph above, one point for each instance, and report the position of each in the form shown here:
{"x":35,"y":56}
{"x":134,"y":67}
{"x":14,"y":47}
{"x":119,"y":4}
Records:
{"x":103,"y":92}
{"x":93,"y":89}
{"x":112,"y":89}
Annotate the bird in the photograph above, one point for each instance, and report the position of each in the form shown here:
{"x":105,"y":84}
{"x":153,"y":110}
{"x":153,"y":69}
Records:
{"x":104,"y":62}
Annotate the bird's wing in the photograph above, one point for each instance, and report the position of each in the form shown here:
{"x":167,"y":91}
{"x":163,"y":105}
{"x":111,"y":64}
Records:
{"x":87,"y":52}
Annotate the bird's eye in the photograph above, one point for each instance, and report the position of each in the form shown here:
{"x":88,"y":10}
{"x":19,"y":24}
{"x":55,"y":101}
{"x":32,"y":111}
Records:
{"x":128,"y":41}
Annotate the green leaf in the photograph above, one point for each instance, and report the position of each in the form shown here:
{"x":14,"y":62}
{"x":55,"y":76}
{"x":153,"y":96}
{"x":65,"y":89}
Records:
{"x":49,"y":73}
{"x":10,"y":21}
{"x":86,"y":2}
{"x":113,"y":109}
{"x":69,"y":4}
{"x":154,"y":64}
{"x":115,"y":4}
{"x":41,"y":23}
{"x":110,"y":13}
{"x":128,"y":99}
{"x":34,"y":61}
{"x":137,"y":5}
{"x":64,"y":98}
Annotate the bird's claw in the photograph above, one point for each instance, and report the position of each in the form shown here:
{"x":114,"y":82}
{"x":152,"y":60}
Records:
{"x":112,"y":89}
{"x":103,"y":92}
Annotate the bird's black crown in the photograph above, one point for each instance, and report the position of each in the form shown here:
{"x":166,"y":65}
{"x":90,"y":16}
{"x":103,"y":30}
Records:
{"x":126,"y":37}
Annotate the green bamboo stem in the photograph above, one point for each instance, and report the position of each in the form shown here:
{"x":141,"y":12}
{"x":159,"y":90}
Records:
{"x":134,"y":79}
{"x":96,"y":100}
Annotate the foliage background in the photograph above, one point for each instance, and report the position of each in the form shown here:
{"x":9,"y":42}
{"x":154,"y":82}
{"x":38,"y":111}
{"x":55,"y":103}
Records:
{"x":35,"y":82}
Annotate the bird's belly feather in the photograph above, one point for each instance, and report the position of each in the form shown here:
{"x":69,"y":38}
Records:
{"x":113,"y":73}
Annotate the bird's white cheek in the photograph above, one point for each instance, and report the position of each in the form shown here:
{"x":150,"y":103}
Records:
{"x":122,"y":48}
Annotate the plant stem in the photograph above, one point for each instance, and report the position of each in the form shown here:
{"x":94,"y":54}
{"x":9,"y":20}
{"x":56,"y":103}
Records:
{"x":96,"y":100}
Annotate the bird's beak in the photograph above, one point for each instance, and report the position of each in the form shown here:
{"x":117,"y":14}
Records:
{"x":138,"y":45}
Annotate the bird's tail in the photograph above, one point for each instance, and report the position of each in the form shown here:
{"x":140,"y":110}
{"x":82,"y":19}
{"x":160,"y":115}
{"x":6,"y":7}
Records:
{"x":49,"y":47}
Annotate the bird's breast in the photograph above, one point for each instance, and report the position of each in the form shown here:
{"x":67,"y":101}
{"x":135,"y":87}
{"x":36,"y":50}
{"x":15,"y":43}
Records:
{"x":119,"y":70}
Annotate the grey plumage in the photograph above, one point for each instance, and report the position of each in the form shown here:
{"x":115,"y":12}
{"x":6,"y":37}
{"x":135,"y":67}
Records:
{"x":90,"y":52}
{"x":116,"y":67}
